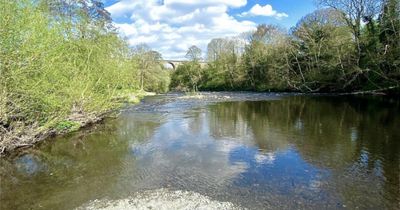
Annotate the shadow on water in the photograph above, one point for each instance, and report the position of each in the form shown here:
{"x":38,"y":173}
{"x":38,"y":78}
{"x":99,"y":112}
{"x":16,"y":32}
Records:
{"x":298,"y":152}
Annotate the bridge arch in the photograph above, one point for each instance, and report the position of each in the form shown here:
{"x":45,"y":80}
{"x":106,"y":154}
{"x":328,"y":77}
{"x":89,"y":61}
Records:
{"x":172,"y":64}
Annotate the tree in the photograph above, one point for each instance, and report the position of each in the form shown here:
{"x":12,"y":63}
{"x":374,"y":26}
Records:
{"x":193,"y":53}
{"x":353,"y":13}
{"x":57,"y":62}
{"x":389,"y":36}
{"x":187,"y":76}
{"x":224,"y":55}
{"x":193,"y":67}
{"x":261,"y":60}
{"x":77,"y":9}
{"x":215,"y":49}
{"x":264,"y":34}
{"x":325,"y":44}
{"x":152,"y":75}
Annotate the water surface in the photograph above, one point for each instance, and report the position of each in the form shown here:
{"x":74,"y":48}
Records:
{"x":257,"y":151}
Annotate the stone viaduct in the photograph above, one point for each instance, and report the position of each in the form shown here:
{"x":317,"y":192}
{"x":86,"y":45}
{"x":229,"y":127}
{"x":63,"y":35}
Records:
{"x":176,"y":63}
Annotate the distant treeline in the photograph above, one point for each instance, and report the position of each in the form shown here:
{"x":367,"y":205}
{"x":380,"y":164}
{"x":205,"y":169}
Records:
{"x":349,"y":45}
{"x":63,"y":63}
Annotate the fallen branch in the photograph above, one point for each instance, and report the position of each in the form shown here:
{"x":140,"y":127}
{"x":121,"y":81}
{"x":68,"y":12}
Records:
{"x":376,"y":91}
{"x":24,"y":145}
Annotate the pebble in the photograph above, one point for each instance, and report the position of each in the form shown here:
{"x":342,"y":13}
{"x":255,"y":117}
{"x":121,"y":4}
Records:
{"x":161,"y":199}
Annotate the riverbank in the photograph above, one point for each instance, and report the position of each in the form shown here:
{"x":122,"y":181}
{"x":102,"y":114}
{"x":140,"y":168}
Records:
{"x":21,"y":137}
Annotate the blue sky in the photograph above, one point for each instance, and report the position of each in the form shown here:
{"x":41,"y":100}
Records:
{"x":294,"y":8}
{"x":172,"y":26}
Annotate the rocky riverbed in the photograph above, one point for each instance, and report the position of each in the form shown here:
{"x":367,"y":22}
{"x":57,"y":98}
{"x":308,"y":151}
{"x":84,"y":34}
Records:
{"x":161,"y":199}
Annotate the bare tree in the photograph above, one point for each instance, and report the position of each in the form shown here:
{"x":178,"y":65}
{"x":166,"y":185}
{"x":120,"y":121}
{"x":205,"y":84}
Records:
{"x":193,"y":53}
{"x":146,"y":59}
{"x":215,"y":48}
{"x":90,"y":12}
{"x":220,"y":47}
{"x":265,"y":34}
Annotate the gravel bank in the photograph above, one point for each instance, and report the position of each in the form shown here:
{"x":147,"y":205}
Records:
{"x":161,"y":199}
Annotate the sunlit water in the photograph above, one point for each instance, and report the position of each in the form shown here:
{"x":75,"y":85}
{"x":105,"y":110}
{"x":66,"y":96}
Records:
{"x":257,"y":151}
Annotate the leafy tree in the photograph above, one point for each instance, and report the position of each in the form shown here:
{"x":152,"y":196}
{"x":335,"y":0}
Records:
{"x":343,"y":47}
{"x":60,"y":65}
{"x":326,"y":53}
{"x":187,"y":76}
{"x":263,"y":67}
{"x":223,"y":72}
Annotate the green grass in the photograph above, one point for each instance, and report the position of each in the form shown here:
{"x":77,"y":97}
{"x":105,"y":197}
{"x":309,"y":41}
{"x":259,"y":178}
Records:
{"x":67,"y":126}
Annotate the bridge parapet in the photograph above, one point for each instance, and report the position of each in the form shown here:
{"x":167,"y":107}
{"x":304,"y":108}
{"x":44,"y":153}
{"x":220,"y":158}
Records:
{"x":176,"y":63}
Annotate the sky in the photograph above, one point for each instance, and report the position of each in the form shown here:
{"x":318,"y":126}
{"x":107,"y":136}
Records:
{"x":172,"y":26}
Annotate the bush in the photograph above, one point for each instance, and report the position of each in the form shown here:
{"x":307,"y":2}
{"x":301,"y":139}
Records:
{"x":57,"y":66}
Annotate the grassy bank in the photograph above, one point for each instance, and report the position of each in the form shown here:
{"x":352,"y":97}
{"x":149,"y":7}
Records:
{"x":22,"y":135}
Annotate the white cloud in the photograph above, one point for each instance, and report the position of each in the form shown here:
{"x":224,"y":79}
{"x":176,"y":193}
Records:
{"x":230,"y":3}
{"x":172,"y":26}
{"x":268,"y":158}
{"x":267,"y":10}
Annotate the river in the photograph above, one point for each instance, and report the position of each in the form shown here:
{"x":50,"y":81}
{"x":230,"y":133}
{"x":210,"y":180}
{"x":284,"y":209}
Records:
{"x":239,"y":150}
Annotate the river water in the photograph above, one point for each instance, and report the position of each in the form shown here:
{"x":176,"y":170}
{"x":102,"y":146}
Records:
{"x":254,"y":151}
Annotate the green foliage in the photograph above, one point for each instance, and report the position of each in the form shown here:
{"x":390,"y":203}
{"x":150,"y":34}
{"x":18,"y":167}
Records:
{"x":67,"y":126}
{"x":54,"y":64}
{"x":223,"y":71}
{"x":187,"y":76}
{"x":328,"y":50}
{"x":151,"y":72}
{"x":262,"y":61}
{"x":389,"y":37}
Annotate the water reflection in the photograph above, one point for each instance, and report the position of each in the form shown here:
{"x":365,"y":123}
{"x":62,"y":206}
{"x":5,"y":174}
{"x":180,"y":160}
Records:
{"x":357,"y":146}
{"x":297,"y":152}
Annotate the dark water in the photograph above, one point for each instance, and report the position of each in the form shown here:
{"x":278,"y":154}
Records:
{"x":279,"y":152}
